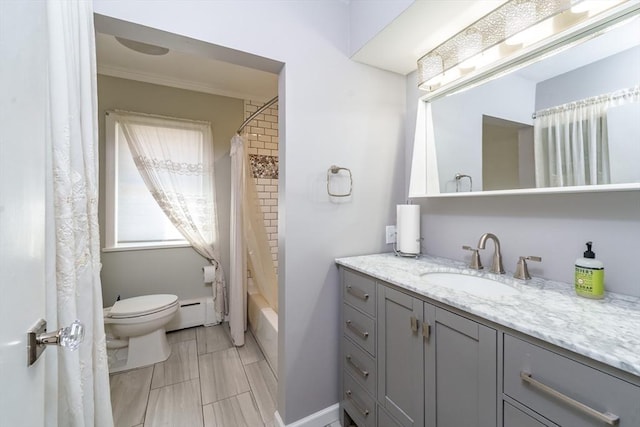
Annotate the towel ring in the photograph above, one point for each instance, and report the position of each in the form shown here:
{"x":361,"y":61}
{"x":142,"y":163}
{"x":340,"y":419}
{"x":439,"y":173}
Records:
{"x":333,"y":170}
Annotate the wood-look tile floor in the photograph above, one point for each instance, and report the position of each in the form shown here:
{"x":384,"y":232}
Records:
{"x":206,"y":382}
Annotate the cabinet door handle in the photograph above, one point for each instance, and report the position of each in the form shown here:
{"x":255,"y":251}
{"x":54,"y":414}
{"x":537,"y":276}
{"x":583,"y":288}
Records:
{"x":363,"y":334}
{"x":607,"y":417}
{"x":364,"y":412}
{"x":361,"y":371}
{"x":426,"y":330}
{"x":414,"y":324}
{"x":358,"y":293}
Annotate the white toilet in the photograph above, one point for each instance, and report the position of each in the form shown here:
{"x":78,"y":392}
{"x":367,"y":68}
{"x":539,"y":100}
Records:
{"x":135,"y":331}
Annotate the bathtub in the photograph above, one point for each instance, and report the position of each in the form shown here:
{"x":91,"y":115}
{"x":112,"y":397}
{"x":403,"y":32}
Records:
{"x":263,"y":322}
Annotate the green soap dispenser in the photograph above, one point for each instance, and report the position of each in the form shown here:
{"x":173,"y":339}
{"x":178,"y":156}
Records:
{"x":589,"y":275}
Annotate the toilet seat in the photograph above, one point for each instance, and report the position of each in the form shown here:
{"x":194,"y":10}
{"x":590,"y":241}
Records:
{"x":142,"y":305}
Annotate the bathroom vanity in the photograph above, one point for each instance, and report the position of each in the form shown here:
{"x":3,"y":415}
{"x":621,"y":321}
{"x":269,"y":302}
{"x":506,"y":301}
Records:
{"x":414,"y":353}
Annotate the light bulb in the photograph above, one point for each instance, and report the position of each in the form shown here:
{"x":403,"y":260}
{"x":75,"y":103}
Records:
{"x":430,"y":69}
{"x":519,"y":18}
{"x":470,"y":46}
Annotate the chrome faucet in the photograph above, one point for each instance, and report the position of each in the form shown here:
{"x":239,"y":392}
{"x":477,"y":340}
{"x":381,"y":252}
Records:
{"x":496,"y":267}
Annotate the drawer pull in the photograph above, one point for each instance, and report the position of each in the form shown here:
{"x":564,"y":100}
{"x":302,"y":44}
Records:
{"x":364,"y":412}
{"x":608,"y":418}
{"x":414,"y":324}
{"x":361,"y":371}
{"x":363,"y":334}
{"x":358,"y":293}
{"x":426,"y":330}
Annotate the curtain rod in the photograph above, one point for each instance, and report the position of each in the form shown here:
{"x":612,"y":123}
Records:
{"x":260,"y":110}
{"x":625,"y":93}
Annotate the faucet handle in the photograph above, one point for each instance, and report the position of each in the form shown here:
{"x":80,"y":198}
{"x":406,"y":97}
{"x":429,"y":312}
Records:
{"x":522,"y":272}
{"x":476,"y":264}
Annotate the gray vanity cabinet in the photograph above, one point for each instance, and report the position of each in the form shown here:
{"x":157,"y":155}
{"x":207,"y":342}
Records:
{"x":460,"y":366}
{"x":409,"y":363}
{"x":514,"y":417}
{"x":358,"y":350}
{"x":565,"y":391}
{"x":400,"y":356}
{"x":435,"y":368}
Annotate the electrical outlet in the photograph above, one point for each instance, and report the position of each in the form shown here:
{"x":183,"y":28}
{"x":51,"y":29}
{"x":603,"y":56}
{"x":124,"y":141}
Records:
{"x":390,"y":231}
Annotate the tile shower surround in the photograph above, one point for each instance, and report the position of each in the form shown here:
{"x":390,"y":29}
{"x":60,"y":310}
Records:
{"x":263,"y":156}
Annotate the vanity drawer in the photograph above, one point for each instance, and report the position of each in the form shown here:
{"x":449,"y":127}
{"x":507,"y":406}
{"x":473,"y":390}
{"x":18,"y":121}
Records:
{"x":360,"y":365}
{"x":360,"y":328}
{"x":548,"y":383}
{"x":514,"y":417}
{"x":384,"y":419}
{"x":359,"y":291}
{"x":359,"y":405}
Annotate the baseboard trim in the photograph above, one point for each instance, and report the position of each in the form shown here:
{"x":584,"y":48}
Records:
{"x":321,"y":418}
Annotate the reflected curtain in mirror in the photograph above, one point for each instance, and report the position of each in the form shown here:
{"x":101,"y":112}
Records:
{"x":572,"y":141}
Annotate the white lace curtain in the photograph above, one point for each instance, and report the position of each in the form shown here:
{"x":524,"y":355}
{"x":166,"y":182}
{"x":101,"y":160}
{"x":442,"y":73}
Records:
{"x":175,"y":159}
{"x":249,"y":245}
{"x":73,"y":246}
{"x":572,"y":141}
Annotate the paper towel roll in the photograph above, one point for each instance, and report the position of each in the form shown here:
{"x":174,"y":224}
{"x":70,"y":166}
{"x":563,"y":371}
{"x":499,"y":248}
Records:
{"x":209,"y":273}
{"x":408,"y":229}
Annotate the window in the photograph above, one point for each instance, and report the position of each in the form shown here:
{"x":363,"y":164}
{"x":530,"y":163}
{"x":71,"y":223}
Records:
{"x":133,"y":217}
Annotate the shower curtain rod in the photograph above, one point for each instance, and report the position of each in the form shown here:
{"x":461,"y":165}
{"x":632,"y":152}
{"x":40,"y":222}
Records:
{"x":260,"y":110}
{"x":614,"y":96}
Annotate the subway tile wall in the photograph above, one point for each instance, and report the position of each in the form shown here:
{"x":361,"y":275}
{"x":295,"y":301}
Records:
{"x":263,"y":155}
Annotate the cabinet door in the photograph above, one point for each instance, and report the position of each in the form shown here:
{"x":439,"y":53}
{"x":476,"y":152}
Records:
{"x":460,"y":370}
{"x":400,"y":351}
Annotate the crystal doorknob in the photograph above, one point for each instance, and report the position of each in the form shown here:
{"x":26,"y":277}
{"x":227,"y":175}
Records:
{"x":69,"y":337}
{"x":38,"y":338}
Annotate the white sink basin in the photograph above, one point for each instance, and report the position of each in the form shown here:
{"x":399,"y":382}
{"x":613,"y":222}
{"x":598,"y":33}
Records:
{"x":475,"y":285}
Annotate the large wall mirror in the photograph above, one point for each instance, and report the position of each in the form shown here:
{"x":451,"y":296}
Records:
{"x":566,"y":122}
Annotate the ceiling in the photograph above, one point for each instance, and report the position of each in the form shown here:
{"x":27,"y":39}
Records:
{"x":184,"y":70}
{"x":396,"y":49}
{"x":421,"y":27}
{"x":424,"y":25}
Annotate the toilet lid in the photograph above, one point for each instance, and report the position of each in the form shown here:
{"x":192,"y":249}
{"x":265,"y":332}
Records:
{"x":139,"y":306}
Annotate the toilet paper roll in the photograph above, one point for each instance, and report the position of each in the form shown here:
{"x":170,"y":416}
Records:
{"x":209,"y":273}
{"x":408,"y":229}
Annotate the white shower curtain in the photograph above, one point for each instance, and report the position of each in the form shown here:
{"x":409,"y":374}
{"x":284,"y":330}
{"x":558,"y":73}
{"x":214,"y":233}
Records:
{"x":175,"y":159}
{"x":248,"y":237}
{"x":73,"y":247}
{"x":572,"y":142}
{"x":238,"y":267}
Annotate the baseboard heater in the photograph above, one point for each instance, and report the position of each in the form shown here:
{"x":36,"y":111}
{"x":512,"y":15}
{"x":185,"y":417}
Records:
{"x":193,"y":312}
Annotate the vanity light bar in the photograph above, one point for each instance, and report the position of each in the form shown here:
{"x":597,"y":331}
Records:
{"x":501,"y":34}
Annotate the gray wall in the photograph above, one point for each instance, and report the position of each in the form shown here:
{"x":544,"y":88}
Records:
{"x":172,"y":270}
{"x":553,"y":226}
{"x":332,"y":111}
{"x":459,"y":147}
{"x":500,"y":157}
{"x":620,"y":71}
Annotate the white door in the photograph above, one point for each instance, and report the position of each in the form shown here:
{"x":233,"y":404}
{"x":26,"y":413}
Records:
{"x":23,"y":129}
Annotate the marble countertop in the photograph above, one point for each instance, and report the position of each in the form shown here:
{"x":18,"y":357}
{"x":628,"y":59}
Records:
{"x":606,"y":330}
